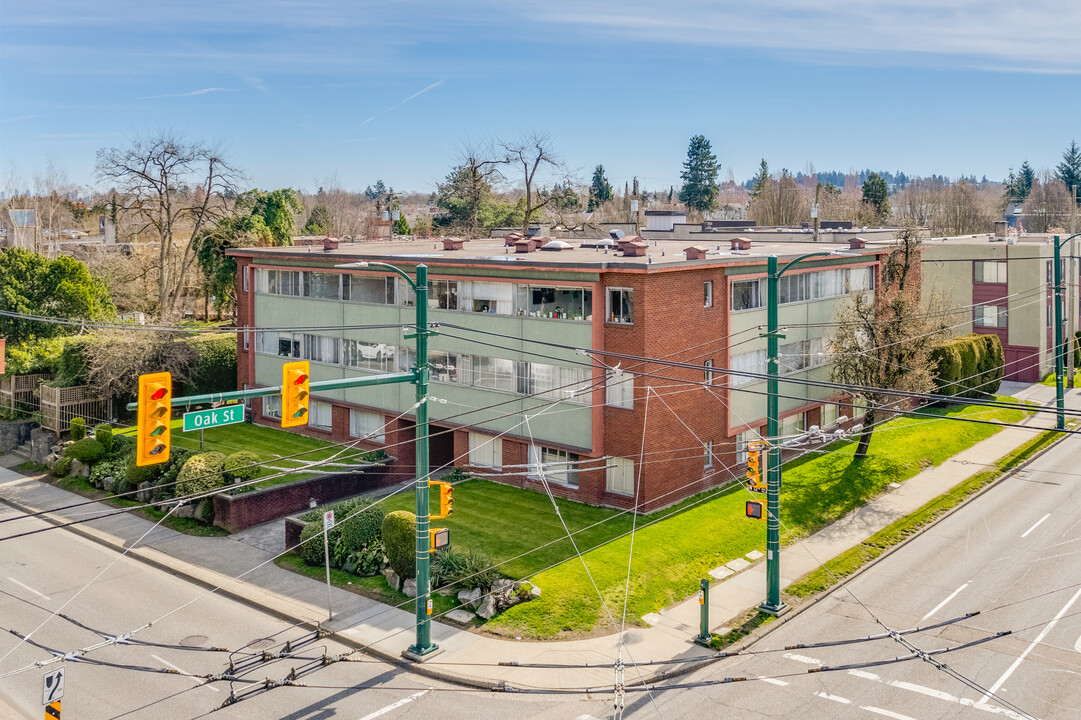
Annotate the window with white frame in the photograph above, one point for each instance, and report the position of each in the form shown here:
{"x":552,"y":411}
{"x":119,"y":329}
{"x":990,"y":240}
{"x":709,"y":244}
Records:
{"x":285,"y":344}
{"x":557,"y":303}
{"x":367,"y":425}
{"x":553,"y":465}
{"x":445,"y":366}
{"x":707,"y":293}
{"x":619,"y":390}
{"x":743,"y":440}
{"x":619,"y":476}
{"x":494,"y":373}
{"x":621,"y":305}
{"x":321,"y":415}
{"x":321,"y":349}
{"x":748,"y":294}
{"x":372,"y":289}
{"x":485,"y":450}
{"x":488,"y":297}
{"x":753,"y":361}
{"x":278,"y":282}
{"x":369,"y":356}
{"x":989,"y":271}
{"x":322,"y":286}
{"x":244,"y":277}
{"x":272,"y":406}
{"x":829,"y":415}
{"x":443,"y":294}
{"x":709,"y":372}
{"x":707,"y":454}
{"x":553,"y":381}
{"x":793,"y":424}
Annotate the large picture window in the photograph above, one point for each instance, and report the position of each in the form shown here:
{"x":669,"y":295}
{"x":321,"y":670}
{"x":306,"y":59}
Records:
{"x":367,"y":425}
{"x":619,"y":390}
{"x":322,"y":286}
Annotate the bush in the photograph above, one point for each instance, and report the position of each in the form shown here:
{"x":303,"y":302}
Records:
{"x":241,"y":466}
{"x":37,"y":355}
{"x":87,"y":450}
{"x":369,"y":561}
{"x":969,"y":366}
{"x":201,"y":473}
{"x":399,"y":537}
{"x":363,"y":528}
{"x":469,"y":569}
{"x":123,"y":443}
{"x":62,"y":467}
{"x":103,"y":433}
{"x":78,"y":428}
{"x":313,"y":551}
{"x":214,"y":367}
{"x":116,"y":467}
{"x":136,"y":475}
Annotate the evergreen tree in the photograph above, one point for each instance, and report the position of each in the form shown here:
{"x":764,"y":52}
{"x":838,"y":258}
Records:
{"x":876,"y":197}
{"x":671,"y":192}
{"x":1069,"y":170}
{"x":699,"y":191}
{"x":1023,"y":185}
{"x":600,"y":191}
{"x":761,"y":179}
{"x":401,"y":225}
{"x":634,"y":189}
{"x":318,"y":222}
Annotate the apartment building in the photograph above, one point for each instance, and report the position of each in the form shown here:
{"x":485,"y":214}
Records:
{"x":536,"y":370}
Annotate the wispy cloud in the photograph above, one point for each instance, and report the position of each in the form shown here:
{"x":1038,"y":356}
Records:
{"x":204,"y":91}
{"x":398,"y":104}
{"x":19,"y":117}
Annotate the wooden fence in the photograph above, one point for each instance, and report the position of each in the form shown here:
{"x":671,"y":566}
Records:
{"x":19,"y":393}
{"x":60,"y":405}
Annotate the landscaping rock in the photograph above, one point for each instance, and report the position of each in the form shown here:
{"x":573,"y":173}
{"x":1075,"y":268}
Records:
{"x":185,"y":511}
{"x":14,"y":433}
{"x":109,"y":484}
{"x":145,"y":491}
{"x":489,"y":606}
{"x":348,"y":566}
{"x":392,"y":578}
{"x":51,"y":459}
{"x":502,"y":586}
{"x":460,"y":616}
{"x":470,"y":598}
{"x":79,"y":469}
{"x":409,"y":587}
{"x":534,"y":592}
{"x":41,"y":444}
{"x":205,"y":509}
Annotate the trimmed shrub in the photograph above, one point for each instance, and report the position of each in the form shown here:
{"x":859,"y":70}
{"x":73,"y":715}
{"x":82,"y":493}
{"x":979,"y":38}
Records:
{"x":78,"y":428}
{"x":123,"y":443}
{"x":214,"y":367}
{"x":241,"y":466}
{"x":363,"y":528}
{"x":399,"y":538}
{"x":994,"y":365}
{"x":62,"y":467}
{"x":136,"y":475}
{"x":103,"y":433}
{"x":313,"y":551}
{"x":969,"y":366}
{"x":201,"y":473}
{"x":87,"y":450}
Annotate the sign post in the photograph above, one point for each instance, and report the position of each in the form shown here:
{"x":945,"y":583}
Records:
{"x":52,"y":689}
{"x":328,"y":523}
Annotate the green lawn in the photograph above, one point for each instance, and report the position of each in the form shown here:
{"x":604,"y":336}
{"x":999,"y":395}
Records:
{"x":1050,"y":379}
{"x":674,"y":549}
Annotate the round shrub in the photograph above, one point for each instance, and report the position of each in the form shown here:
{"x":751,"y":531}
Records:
{"x":122,"y":443}
{"x":313,"y":552}
{"x":104,"y":434}
{"x":399,"y":538}
{"x":241,"y":466}
{"x":363,"y":528}
{"x":136,"y":475}
{"x":62,"y":467}
{"x":87,"y":450}
{"x":201,"y":473}
{"x":78,"y":428}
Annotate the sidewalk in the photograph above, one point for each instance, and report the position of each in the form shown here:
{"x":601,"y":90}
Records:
{"x":386,"y":631}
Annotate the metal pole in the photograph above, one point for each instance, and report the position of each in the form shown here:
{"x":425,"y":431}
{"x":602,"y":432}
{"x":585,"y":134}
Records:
{"x":704,"y":636}
{"x":326,"y":557}
{"x":773,"y":604}
{"x":1060,"y":401}
{"x":424,"y":643}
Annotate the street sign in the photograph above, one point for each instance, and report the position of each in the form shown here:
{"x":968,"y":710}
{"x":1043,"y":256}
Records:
{"x":215,"y":417}
{"x":52,"y":686}
{"x":52,"y":711}
{"x":328,"y":520}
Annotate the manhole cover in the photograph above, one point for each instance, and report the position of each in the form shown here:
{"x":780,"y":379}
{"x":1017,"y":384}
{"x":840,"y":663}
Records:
{"x":261,"y":644}
{"x":194,"y":640}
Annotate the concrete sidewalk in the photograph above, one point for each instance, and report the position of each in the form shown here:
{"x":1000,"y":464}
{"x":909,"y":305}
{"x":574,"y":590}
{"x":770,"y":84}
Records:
{"x":473,"y":658}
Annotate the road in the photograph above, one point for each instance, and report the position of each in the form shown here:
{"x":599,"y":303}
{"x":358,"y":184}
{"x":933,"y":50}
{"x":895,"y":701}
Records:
{"x":39,"y":573}
{"x":1014,"y":554}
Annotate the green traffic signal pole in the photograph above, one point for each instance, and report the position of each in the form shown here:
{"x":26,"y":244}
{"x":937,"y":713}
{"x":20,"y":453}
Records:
{"x":773,"y":604}
{"x":1060,"y":349}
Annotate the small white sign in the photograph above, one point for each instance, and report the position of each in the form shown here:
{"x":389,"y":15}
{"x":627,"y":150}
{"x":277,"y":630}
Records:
{"x":328,"y":519}
{"x":52,"y":686}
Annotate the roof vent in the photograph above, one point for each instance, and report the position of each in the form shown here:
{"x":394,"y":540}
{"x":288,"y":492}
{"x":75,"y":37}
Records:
{"x":696,"y":252}
{"x":453,"y":243}
{"x":856,"y":243}
{"x":329,"y":244}
{"x":525,"y":245}
{"x":617,"y":234}
{"x":556,"y":245}
{"x":510,"y":238}
{"x":634,"y":248}
{"x":740,"y":243}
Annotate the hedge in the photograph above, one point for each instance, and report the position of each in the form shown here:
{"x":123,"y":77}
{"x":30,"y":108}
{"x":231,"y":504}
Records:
{"x":969,"y":366}
{"x":363,"y":528}
{"x":399,"y":538}
{"x":201,"y":473}
{"x":215,"y":364}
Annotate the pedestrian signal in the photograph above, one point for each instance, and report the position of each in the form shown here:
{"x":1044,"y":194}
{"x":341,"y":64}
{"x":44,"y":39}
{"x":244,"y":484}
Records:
{"x":754,"y":509}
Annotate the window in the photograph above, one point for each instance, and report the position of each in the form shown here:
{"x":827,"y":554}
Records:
{"x":558,"y":466}
{"x":246,"y":340}
{"x":272,"y":406}
{"x":445,"y":367}
{"x":374,"y":290}
{"x":829,"y":415}
{"x":485,"y":450}
{"x":278,"y":282}
{"x":621,"y":305}
{"x":619,"y":476}
{"x":989,"y":271}
{"x":367,"y":425}
{"x":244,"y":277}
{"x":554,"y":381}
{"x":991,"y":316}
{"x":320,"y":415}
{"x":494,"y":374}
{"x":794,"y":288}
{"x":709,"y":371}
{"x":793,"y":424}
{"x":619,"y":390}
{"x":754,"y":361}
{"x":707,"y":454}
{"x":557,"y":303}
{"x":321,"y":349}
{"x":1050,"y":316}
{"x":743,"y":441}
{"x":488,"y":297}
{"x":284,"y":344}
{"x":802,"y":354}
{"x":443,"y":294}
{"x":322,"y":286}
{"x":747,"y":294}
{"x":369,"y":356}
{"x":707,"y":293}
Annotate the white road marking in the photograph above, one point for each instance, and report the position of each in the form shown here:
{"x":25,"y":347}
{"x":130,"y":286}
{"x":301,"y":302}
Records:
{"x":931,"y":692}
{"x":27,"y":587}
{"x":782,"y":683}
{"x":863,"y":674}
{"x":182,"y":671}
{"x":802,"y":659}
{"x":949,"y":597}
{"x":394,"y":706}
{"x":1039,"y":638}
{"x":1077,"y":645}
{"x":834,"y":698}
{"x":885,"y":713}
{"x":1025,"y":534}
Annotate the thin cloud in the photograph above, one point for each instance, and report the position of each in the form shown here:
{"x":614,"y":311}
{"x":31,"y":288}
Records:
{"x":19,"y":117}
{"x":204,"y":91}
{"x":398,"y":104}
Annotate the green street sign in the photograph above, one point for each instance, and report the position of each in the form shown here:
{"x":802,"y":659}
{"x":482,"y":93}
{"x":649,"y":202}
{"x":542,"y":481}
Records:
{"x":215,"y":417}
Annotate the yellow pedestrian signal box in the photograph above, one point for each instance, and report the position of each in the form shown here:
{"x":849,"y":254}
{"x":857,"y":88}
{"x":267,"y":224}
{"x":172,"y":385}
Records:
{"x":755,"y":450}
{"x":295,"y":393}
{"x":155,"y":412}
{"x":446,"y":499}
{"x":440,"y":538}
{"x":754,"y":509}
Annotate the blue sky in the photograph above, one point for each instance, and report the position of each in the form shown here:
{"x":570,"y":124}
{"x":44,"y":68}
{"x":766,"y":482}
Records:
{"x":304,"y":93}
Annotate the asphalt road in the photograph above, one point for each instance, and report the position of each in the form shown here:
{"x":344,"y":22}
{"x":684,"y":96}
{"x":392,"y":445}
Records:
{"x":1013,"y":554}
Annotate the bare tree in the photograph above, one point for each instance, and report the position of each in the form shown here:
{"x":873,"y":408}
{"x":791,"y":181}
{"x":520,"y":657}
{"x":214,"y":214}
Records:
{"x":780,"y":202}
{"x":529,"y":155}
{"x":171,"y":183}
{"x":479,"y":169}
{"x":116,"y":358}
{"x":1048,"y":205}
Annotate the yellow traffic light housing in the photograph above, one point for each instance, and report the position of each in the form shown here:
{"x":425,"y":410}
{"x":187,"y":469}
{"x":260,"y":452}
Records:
{"x":446,"y":499}
{"x":295,"y":393}
{"x":155,"y":413}
{"x":440,"y":538}
{"x":755,"y":450}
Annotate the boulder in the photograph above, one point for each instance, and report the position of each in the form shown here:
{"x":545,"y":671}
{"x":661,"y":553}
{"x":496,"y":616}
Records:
{"x":186,"y":510}
{"x":502,"y":585}
{"x":489,"y":606}
{"x":470,"y":598}
{"x":41,"y":444}
{"x":79,"y":469}
{"x":51,"y":459}
{"x":409,"y":587}
{"x":460,"y":616}
{"x":145,"y":490}
{"x":392,"y":578}
{"x":109,"y":484}
{"x":349,"y":566}
{"x":204,"y":510}
{"x":534,"y":592}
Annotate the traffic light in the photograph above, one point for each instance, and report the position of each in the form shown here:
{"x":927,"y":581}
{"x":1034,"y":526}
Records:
{"x":446,"y":499}
{"x":440,"y":538}
{"x":155,"y":413}
{"x":295,"y":393}
{"x":754,"y":468}
{"x":754,"y":509}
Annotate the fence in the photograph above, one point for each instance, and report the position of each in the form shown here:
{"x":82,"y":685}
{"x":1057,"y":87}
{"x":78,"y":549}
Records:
{"x":60,"y":405}
{"x":19,"y":393}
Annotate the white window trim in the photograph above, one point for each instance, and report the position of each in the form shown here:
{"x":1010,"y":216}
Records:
{"x":619,"y":470}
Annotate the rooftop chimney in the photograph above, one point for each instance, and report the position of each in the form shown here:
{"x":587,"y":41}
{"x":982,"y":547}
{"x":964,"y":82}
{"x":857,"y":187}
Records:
{"x":695,"y":252}
{"x":856,"y":243}
{"x":741,"y":244}
{"x":452,"y":243}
